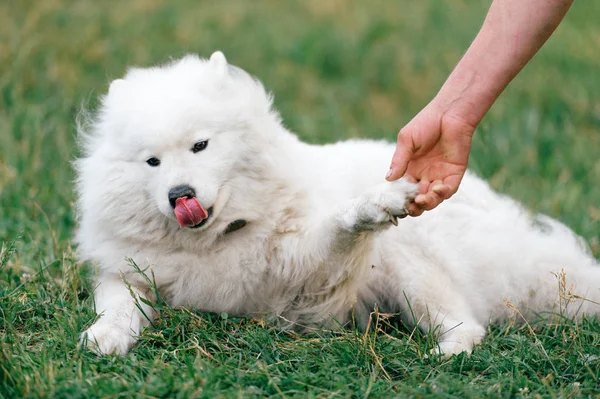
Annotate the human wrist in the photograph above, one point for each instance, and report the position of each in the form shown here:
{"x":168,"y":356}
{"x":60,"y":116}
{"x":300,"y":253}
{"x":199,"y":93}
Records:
{"x":512,"y":33}
{"x":462,"y":98}
{"x":474,"y":85}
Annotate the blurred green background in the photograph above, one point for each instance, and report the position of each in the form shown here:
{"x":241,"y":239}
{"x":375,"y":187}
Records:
{"x":337,"y":69}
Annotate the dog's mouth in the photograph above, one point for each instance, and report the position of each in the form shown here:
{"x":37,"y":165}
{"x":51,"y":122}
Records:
{"x":190,"y":213}
{"x":209,"y":213}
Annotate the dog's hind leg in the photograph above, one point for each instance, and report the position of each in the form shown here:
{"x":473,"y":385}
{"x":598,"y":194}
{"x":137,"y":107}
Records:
{"x":571,"y":291}
{"x":429,"y":298}
{"x":449,"y":317}
{"x":587,"y":294}
{"x":549,"y":269}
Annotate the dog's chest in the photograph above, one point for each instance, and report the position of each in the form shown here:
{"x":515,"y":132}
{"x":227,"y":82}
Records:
{"x":238,"y":280}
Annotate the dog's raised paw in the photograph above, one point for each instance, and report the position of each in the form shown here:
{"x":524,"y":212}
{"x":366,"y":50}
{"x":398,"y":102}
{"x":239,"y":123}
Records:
{"x":394,"y":198}
{"x":381,"y":206}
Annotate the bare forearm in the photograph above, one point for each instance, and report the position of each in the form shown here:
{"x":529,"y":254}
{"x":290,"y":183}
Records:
{"x":433,"y":148}
{"x":513,"y":31}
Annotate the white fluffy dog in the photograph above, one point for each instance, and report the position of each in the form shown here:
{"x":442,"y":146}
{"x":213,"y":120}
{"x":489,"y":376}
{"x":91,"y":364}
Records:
{"x":188,"y":171}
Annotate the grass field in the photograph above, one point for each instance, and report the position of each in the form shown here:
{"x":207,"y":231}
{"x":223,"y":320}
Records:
{"x":338,"y":69}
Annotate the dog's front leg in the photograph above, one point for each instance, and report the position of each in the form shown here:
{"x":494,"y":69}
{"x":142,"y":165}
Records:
{"x":335,"y":236}
{"x":379,"y":207}
{"x":122,"y":316}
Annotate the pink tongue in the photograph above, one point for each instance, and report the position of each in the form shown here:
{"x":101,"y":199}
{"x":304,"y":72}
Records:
{"x":189,"y":212}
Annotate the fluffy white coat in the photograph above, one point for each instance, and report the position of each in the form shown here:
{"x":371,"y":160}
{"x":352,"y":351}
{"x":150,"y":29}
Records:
{"x":318,"y":245}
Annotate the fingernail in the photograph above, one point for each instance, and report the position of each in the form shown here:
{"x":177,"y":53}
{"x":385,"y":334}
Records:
{"x":389,"y":173}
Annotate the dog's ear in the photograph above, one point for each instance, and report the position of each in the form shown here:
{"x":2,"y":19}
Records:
{"x":218,"y":61}
{"x":115,"y":86}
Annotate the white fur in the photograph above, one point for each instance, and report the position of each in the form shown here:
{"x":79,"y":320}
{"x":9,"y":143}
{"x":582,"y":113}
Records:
{"x":318,"y":246}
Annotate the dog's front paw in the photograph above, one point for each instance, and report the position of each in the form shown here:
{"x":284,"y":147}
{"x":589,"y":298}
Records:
{"x":393,"y":199}
{"x":382,"y":206}
{"x":460,"y":340}
{"x":104,"y":339}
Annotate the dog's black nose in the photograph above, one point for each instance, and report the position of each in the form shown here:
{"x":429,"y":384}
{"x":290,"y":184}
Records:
{"x":180,"y":191}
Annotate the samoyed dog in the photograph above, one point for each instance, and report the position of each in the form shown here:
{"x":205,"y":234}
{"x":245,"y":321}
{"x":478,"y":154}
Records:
{"x":188,"y":172}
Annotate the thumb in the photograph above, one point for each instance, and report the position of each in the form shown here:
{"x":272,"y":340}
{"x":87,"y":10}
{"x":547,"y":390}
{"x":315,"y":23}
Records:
{"x":402,"y":156}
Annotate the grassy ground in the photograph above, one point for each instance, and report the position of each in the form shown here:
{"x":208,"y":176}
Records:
{"x":337,"y":69}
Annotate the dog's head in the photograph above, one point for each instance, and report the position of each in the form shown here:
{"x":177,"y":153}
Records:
{"x":166,"y":143}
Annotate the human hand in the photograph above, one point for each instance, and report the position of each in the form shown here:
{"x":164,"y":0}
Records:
{"x":433,"y":150}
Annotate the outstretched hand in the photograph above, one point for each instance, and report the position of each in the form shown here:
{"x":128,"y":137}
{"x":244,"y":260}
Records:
{"x":433,"y":150}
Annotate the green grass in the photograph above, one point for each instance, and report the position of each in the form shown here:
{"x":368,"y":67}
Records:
{"x":337,"y":69}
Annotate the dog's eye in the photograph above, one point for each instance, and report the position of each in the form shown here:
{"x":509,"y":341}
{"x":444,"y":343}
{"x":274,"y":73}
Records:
{"x":199,"y":146}
{"x":153,"y":161}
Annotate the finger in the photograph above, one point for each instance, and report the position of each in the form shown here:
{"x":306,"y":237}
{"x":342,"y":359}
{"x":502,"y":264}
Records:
{"x":441,"y":190}
{"x":402,"y":156}
{"x":420,"y":200}
{"x":432,"y":194}
{"x":433,"y":200}
{"x":452,"y":182}
{"x":429,"y":200}
{"x":414,"y":209}
{"x":424,"y":186}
